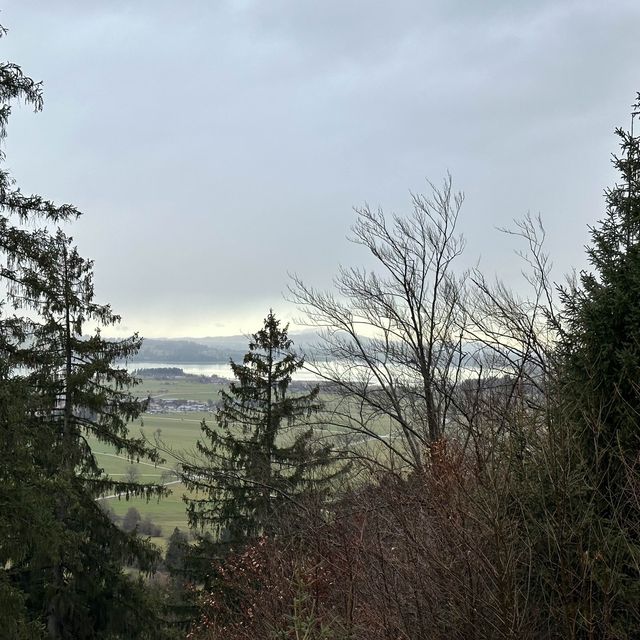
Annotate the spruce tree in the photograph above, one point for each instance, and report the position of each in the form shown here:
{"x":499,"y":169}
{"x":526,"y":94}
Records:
{"x":25,"y":519}
{"x":61,"y":557}
{"x":176,"y":551}
{"x":600,"y":385}
{"x":602,"y":338}
{"x":259,"y":460}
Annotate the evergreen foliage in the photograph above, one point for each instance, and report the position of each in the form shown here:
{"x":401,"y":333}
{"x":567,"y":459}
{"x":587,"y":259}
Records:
{"x":61,"y":557}
{"x":256,"y":464}
{"x":600,"y":400}
{"x":176,"y":551}
{"x":602,"y":341}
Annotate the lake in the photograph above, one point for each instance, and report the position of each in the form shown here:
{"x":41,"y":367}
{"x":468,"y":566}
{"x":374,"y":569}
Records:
{"x":222,"y":369}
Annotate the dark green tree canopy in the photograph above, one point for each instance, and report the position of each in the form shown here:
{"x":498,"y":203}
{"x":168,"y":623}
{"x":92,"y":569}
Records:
{"x":258,"y":457}
{"x":602,"y":339}
{"x":600,"y":392}
{"x":61,"y":557}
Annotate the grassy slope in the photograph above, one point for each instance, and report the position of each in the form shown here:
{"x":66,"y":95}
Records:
{"x":178,"y":431}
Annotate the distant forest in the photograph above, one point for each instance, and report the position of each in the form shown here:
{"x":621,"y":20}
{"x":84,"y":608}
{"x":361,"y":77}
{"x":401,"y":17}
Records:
{"x":184,"y":352}
{"x":210,"y":350}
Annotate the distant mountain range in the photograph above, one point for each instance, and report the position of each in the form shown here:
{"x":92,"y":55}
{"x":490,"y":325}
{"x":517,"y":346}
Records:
{"x":209,"y":350}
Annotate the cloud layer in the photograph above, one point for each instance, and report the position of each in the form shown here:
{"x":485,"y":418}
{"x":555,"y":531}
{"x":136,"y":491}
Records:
{"x":216,"y":146}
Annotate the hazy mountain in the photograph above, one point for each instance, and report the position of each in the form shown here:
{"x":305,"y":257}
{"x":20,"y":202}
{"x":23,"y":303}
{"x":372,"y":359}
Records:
{"x":207,"y":350}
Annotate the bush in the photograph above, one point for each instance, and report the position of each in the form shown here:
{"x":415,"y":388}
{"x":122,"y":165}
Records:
{"x":131,"y":519}
{"x":148,"y":528}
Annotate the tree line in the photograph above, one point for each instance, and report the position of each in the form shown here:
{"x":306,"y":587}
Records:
{"x":470,"y":469}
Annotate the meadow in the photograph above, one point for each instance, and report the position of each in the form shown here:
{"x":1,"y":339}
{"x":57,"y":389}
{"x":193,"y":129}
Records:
{"x":178,"y":431}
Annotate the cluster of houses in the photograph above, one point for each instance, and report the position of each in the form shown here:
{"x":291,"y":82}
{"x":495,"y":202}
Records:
{"x":173,"y":405}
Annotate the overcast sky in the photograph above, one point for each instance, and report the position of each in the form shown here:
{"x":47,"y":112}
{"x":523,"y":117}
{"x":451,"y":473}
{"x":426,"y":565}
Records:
{"x":215,"y":146}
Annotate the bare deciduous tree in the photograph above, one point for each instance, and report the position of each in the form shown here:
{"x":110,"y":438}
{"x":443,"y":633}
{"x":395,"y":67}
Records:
{"x":510,"y":340}
{"x":392,"y":338}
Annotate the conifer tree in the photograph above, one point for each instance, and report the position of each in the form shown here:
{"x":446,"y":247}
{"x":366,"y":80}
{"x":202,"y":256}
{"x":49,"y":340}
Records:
{"x":61,"y":558}
{"x":602,"y":341}
{"x":601,"y":394}
{"x":176,"y":550}
{"x":258,"y":459}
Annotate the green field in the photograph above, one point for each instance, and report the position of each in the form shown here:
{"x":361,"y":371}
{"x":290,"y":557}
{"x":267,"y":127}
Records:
{"x":180,"y":389}
{"x":179,"y":431}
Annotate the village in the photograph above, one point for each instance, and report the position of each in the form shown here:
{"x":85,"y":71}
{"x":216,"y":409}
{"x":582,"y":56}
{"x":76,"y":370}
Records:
{"x":175,"y":405}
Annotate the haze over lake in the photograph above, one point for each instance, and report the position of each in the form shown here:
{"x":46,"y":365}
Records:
{"x":222,"y":370}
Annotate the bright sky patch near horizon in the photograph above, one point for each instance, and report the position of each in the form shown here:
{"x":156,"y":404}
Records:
{"x":215,"y":147}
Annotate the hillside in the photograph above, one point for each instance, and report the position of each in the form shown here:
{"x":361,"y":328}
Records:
{"x":207,"y":350}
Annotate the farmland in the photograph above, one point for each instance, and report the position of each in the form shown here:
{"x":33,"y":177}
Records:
{"x":178,"y":430}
